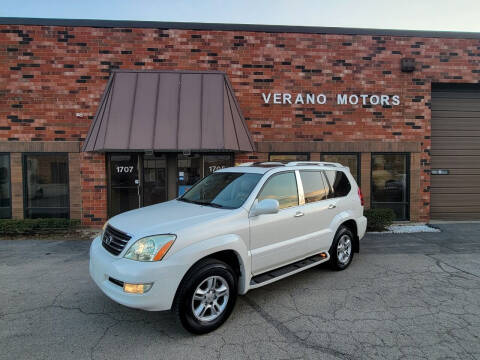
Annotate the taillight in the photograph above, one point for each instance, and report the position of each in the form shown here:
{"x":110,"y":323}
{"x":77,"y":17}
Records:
{"x":360,"y":196}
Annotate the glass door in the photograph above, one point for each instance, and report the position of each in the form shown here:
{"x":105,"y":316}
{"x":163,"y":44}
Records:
{"x":154,"y":179}
{"x":124,"y":183}
{"x":390,"y":178}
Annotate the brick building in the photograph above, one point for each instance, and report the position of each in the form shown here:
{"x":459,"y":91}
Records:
{"x":400,"y":108}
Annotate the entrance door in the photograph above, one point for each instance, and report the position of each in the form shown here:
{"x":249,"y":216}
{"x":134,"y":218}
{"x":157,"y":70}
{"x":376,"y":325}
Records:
{"x":124,"y":183}
{"x":154,"y":179}
{"x":390,"y":183}
{"x":455,"y":166}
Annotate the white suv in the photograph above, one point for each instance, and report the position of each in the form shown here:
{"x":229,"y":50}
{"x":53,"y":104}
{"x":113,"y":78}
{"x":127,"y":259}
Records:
{"x":237,"y":229}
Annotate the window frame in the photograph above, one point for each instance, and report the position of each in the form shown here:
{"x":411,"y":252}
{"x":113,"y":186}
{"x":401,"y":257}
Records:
{"x":359,"y":163}
{"x":407,"y":183}
{"x":9,"y":182}
{"x":25,"y":183}
{"x":324,"y":179}
{"x":298,"y":182}
{"x":331,"y":185}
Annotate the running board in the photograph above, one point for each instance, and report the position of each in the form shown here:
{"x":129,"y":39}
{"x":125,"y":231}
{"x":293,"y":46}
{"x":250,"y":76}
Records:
{"x":287,"y":270}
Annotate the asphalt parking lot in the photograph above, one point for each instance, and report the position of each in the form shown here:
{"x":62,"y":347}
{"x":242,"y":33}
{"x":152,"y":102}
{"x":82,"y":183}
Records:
{"x":409,"y":296}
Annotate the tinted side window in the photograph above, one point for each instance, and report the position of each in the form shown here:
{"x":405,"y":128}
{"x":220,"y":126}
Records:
{"x":283,"y":188}
{"x":314,"y":187}
{"x":338,"y":182}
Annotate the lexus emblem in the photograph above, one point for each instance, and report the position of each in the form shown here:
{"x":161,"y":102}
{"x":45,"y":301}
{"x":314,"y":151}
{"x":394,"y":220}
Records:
{"x":107,"y":239}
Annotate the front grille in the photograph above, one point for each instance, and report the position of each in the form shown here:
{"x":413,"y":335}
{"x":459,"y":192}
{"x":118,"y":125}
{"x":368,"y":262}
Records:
{"x":114,"y":240}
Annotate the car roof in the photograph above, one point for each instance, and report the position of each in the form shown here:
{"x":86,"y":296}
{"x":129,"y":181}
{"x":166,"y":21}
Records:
{"x":264,"y":167}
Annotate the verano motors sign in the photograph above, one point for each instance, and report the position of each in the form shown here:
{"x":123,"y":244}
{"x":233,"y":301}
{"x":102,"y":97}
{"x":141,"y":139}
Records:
{"x":340,"y":99}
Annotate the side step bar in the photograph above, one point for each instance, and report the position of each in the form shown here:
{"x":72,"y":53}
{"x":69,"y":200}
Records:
{"x":287,"y":270}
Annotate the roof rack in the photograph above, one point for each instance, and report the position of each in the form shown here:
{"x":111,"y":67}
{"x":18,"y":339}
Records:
{"x":263,"y":164}
{"x":291,"y":163}
{"x":319,"y":163}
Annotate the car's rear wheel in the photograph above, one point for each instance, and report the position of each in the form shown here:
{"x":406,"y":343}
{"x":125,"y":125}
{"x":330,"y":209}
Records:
{"x":341,"y":251}
{"x":206,"y":296}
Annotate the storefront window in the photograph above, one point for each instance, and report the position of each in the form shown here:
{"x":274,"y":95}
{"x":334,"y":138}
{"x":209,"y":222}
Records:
{"x":288,"y":157}
{"x":390,"y":183}
{"x":5,"y":203}
{"x":46,"y":185}
{"x":212,"y":163}
{"x":350,"y":160}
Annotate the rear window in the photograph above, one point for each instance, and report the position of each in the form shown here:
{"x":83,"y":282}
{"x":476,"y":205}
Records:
{"x":314,"y":186}
{"x":339,"y":184}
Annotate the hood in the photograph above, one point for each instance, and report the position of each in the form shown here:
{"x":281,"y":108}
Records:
{"x":164,"y":218}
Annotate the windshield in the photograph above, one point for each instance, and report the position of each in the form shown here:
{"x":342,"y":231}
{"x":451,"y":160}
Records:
{"x":222,"y":189}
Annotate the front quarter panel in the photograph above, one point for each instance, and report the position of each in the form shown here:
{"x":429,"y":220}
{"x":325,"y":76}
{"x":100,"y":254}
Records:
{"x":199,"y":250}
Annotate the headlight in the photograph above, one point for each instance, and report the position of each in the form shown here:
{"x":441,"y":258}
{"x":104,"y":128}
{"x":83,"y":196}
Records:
{"x":150,"y":248}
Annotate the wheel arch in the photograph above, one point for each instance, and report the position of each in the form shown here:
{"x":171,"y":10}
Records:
{"x":351,"y":224}
{"x":230,"y":255}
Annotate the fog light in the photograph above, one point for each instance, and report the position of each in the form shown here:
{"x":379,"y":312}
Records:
{"x":136,"y":288}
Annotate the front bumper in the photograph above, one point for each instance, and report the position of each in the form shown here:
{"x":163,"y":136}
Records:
{"x":165,"y":276}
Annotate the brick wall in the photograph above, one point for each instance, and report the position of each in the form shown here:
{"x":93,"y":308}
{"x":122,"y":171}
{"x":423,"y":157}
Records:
{"x":51,"y":80}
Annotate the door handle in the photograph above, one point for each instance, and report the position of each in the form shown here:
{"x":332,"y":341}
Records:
{"x":332,"y":206}
{"x":299,"y":213}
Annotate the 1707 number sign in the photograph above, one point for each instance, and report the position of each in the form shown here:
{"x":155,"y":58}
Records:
{"x":124,"y":169}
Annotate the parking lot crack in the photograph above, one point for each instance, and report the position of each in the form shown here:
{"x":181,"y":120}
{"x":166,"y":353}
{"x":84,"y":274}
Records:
{"x":291,"y":336}
{"x":92,"y":349}
{"x":439,"y":263}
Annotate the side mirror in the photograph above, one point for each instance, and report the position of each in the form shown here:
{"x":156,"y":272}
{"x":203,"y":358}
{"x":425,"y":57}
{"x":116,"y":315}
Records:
{"x":266,"y":206}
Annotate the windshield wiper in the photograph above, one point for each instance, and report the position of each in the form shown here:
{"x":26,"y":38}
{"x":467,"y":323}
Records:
{"x":215,"y":205}
{"x":202,"y":203}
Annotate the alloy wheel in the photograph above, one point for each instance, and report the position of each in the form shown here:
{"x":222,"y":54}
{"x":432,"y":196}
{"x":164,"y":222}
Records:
{"x":344,"y":249}
{"x":210,"y":298}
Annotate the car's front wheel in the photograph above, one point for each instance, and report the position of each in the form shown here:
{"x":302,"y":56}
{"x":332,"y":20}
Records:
{"x":341,"y":251}
{"x":206,"y":296}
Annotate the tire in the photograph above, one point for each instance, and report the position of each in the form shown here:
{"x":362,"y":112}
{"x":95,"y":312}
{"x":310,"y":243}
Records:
{"x":209,"y":280}
{"x":340,"y":255}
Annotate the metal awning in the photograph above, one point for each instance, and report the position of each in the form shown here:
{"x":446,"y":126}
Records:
{"x":168,"y":111}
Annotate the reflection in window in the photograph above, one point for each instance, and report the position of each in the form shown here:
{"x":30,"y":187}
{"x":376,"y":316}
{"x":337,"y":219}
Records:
{"x":339,"y":183}
{"x":314,"y":187}
{"x":281,"y":187}
{"x":5,"y":203}
{"x":223,"y":189}
{"x":288,"y":157}
{"x":349,"y":160}
{"x":390,"y":183}
{"x":46,"y":181}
